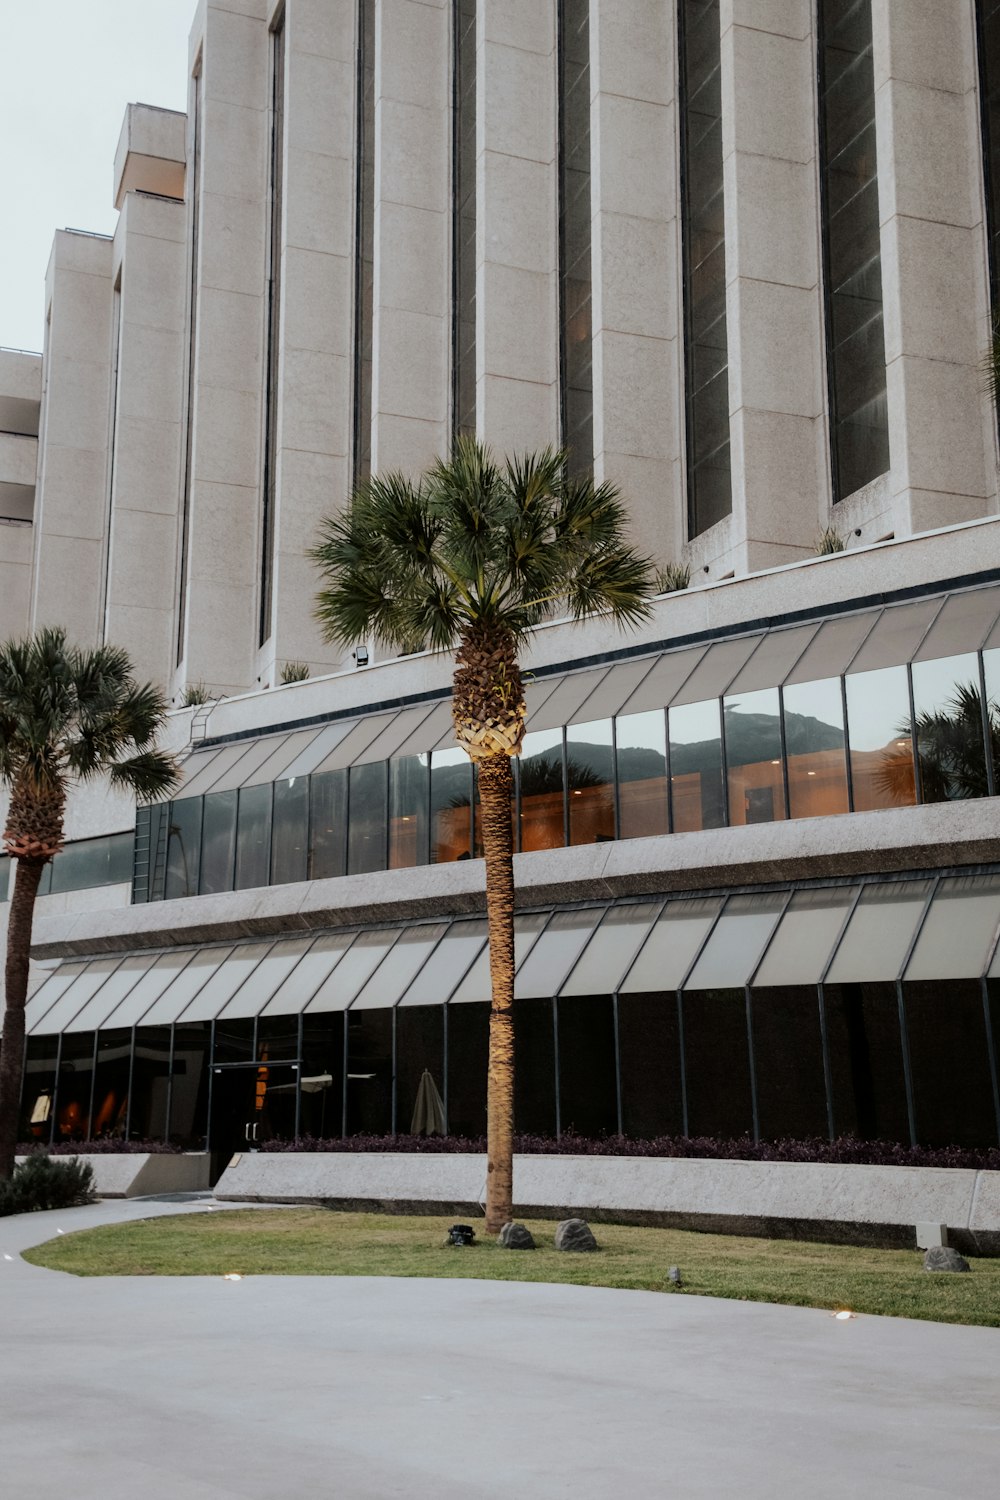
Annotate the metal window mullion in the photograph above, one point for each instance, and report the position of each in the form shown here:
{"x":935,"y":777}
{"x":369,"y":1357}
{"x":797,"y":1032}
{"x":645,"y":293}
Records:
{"x":724,"y":757}
{"x":300,"y":1047}
{"x":392,"y":1085}
{"x":565,"y":792}
{"x":344,"y":1064}
{"x":167,"y":1121}
{"x":444,"y":1065}
{"x":619,"y":1112}
{"x":554,"y":1004}
{"x":847,"y":743}
{"x":680,"y":1006}
{"x":904,"y":1038}
{"x":669,"y":789}
{"x":131,"y":1075}
{"x":918,"y":781}
{"x":93,"y":1087}
{"x":615,"y":789}
{"x":784,"y":751}
{"x":211,"y":1081}
{"x":991,"y":1053}
{"x":987,"y":728}
{"x":55,"y":1088}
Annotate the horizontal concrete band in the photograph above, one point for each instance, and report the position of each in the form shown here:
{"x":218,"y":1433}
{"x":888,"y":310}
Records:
{"x":876,"y":1204}
{"x":136,"y":1174}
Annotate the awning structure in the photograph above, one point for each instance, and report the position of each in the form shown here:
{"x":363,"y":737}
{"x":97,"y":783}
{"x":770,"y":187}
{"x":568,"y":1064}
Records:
{"x":922,"y":630}
{"x":945,"y":927}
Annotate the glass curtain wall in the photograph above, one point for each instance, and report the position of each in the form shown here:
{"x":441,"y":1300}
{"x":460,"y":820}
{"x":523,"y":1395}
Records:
{"x":988,"y":19}
{"x":364,"y":247}
{"x":273,"y":324}
{"x":463,"y":226}
{"x":852,"y":252}
{"x":575,"y":275}
{"x":703,"y":219}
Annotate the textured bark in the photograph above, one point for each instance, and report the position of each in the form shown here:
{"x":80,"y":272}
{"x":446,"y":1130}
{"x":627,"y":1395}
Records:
{"x":487,"y":704}
{"x":35,"y":820}
{"x":495,"y":782}
{"x":22,"y":911}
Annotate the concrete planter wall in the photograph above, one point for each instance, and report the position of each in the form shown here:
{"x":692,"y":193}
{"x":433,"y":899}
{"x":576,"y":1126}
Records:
{"x":872,"y":1205}
{"x":139,"y":1175}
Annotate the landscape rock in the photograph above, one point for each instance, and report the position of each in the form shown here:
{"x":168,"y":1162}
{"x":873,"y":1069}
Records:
{"x":574,"y":1234}
{"x":943,"y":1258}
{"x":516,"y":1237}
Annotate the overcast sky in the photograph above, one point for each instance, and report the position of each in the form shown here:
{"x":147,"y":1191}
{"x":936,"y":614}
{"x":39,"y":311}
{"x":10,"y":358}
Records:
{"x":69,"y":69}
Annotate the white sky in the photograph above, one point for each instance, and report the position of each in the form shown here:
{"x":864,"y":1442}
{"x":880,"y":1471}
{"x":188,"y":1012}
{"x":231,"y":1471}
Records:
{"x":69,"y":68}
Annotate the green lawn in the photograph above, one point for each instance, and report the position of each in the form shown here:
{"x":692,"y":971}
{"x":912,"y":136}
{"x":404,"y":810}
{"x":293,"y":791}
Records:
{"x":317,"y":1242}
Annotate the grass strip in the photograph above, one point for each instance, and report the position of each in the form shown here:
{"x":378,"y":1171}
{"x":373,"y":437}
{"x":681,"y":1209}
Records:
{"x":320,"y":1242}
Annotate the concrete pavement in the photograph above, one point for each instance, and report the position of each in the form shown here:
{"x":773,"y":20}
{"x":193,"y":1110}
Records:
{"x":355,"y":1389}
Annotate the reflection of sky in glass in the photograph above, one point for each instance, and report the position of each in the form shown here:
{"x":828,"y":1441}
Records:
{"x":645,"y":731}
{"x":693,"y":723}
{"x":752,"y":727}
{"x":540,"y":741}
{"x":878,"y":708}
{"x":935,"y":682}
{"x":816,"y":700}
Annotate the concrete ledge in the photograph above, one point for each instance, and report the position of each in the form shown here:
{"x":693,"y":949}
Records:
{"x":138,"y":1174}
{"x":856,"y":1204}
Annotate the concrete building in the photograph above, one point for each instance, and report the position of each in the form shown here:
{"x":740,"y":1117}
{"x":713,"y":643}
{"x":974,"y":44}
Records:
{"x":739,"y":256}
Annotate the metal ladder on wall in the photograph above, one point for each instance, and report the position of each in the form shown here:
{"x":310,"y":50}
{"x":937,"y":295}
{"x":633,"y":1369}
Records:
{"x":152,"y":825}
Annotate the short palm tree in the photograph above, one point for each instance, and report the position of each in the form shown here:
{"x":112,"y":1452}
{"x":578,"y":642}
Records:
{"x":469,"y":559}
{"x":66,"y":715}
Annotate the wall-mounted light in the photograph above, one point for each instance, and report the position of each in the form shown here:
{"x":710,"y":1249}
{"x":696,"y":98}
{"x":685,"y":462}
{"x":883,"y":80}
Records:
{"x":360,"y":656}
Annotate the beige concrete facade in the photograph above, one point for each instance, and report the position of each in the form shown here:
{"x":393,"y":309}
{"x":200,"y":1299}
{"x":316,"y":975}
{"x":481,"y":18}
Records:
{"x":166,"y":386}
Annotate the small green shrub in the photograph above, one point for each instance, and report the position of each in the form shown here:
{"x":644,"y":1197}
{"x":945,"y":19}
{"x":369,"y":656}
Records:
{"x":672,"y":578}
{"x":829,"y":541}
{"x":41,"y":1182}
{"x":294,"y":671}
{"x":194,"y":694}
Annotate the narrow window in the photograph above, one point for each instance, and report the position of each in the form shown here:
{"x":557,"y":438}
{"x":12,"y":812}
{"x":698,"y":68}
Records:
{"x":116,"y":350}
{"x":364,"y":273}
{"x":706,"y":346}
{"x":273,"y":321}
{"x":859,"y":430}
{"x":988,"y":23}
{"x":576,"y":358}
{"x":194,"y":192}
{"x":463,"y":227}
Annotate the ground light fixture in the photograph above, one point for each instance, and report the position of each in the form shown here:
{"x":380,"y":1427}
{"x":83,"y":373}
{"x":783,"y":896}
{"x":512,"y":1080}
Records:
{"x":843,"y":1315}
{"x":233,"y":1276}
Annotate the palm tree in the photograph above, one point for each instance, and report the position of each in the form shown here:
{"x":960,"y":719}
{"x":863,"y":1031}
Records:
{"x":950,"y":751}
{"x":472,"y":556}
{"x":66,"y":715}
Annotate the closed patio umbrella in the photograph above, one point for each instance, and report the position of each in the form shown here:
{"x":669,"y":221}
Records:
{"x":428,"y":1111}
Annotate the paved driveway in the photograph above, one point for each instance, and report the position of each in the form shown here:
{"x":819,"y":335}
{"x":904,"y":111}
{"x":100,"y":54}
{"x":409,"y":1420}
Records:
{"x":196,"y":1388}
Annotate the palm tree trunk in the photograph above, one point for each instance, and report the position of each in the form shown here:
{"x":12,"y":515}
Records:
{"x":20,"y":918}
{"x":495,"y":782}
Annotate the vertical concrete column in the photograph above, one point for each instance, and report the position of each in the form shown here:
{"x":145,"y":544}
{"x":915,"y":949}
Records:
{"x":411,"y":357}
{"x":317,"y":311}
{"x":517,"y":248}
{"x":638,"y":390}
{"x":775,"y":323}
{"x":934,"y":280}
{"x":224,"y":536}
{"x":72,"y":497}
{"x":147,"y":452}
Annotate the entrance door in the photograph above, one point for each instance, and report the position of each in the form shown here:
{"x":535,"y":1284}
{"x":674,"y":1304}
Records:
{"x":252,"y":1103}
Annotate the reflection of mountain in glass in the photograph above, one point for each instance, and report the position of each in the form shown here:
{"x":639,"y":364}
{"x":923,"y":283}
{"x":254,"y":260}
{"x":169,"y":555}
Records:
{"x":950,"y":750}
{"x":751,"y":738}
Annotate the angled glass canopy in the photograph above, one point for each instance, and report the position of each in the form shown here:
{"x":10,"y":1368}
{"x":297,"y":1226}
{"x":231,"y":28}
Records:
{"x":606,"y":959}
{"x":878,"y":937}
{"x":800,"y":948}
{"x":959,"y":931}
{"x":448,"y":964}
{"x":672,"y":946}
{"x":738,"y":939}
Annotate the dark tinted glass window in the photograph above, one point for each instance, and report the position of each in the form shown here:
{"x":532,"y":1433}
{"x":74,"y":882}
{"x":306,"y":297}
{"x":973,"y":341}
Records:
{"x":327,"y":825}
{"x":183,"y":848}
{"x":218,"y":847}
{"x":253,"y":837}
{"x":111,"y":1084}
{"x":849,"y":181}
{"x":419,"y":1046}
{"x":535,"y":1075}
{"x":322,"y":1074}
{"x":704,"y":238}
{"x":76,"y":1072}
{"x":366,"y":818}
{"x":369,"y":1072}
{"x":588,"y":1101}
{"x":949,"y":1063}
{"x":189,"y":1085}
{"x":150,"y":1083}
{"x":468,"y":1051}
{"x":649,"y":1043}
{"x":866,"y":1061}
{"x":717,"y":1063}
{"x":464,"y":219}
{"x":788,"y":1058}
{"x":542,"y":783}
{"x":574,"y":234}
{"x":290,"y":832}
{"x":451,"y":806}
{"x":38,"y":1089}
{"x":989,"y":95}
{"x":364,"y":290}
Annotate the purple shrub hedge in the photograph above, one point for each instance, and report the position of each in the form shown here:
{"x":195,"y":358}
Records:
{"x":845,"y":1149}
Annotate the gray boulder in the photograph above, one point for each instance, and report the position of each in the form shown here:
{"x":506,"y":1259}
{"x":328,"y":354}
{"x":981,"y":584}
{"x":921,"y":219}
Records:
{"x":574,"y":1234}
{"x":515,"y":1237}
{"x":943,"y":1258}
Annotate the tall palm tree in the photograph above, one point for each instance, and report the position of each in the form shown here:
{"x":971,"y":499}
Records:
{"x":66,"y":716}
{"x":469,"y":559}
